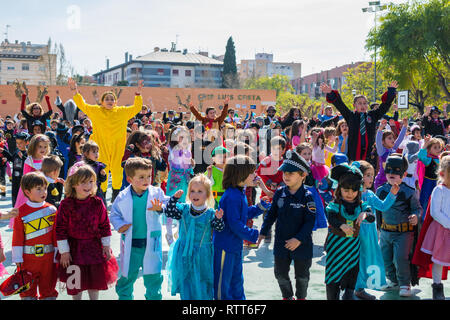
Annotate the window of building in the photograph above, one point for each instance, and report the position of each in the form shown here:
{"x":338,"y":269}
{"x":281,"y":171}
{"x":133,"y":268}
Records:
{"x":11,"y":68}
{"x":160,"y":72}
{"x":41,"y":83}
{"x":175,"y":72}
{"x":187,"y":73}
{"x":25,"y":67}
{"x":42,"y":68}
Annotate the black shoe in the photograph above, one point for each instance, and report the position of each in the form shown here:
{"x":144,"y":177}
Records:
{"x":363,"y":295}
{"x":348,"y":295}
{"x":438,"y":291}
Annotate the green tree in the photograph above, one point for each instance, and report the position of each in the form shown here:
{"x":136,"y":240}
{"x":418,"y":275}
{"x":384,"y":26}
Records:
{"x":277,"y":82}
{"x":414,"y":41}
{"x":230,"y":77}
{"x":359,"y":80}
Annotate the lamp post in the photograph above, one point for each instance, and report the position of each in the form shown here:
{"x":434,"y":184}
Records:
{"x":375,"y":6}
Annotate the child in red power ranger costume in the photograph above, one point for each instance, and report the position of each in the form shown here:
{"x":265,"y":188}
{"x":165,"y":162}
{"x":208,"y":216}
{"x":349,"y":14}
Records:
{"x":33,"y":244}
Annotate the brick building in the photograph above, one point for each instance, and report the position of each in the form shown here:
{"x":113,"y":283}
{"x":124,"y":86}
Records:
{"x":334,"y":77}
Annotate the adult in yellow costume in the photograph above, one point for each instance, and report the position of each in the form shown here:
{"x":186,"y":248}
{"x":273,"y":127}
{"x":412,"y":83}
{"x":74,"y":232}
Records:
{"x":109,"y":130}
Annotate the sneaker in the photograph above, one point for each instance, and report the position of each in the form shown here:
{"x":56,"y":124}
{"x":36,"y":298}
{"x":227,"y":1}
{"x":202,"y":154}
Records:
{"x":389,"y":286}
{"x":405,"y":291}
{"x":252,"y":245}
{"x":363,"y":295}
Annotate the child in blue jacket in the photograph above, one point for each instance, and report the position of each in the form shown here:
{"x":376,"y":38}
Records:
{"x":239,"y":172}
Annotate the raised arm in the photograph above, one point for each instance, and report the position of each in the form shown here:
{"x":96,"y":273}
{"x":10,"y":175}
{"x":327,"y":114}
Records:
{"x":334,"y":98}
{"x":386,"y":101}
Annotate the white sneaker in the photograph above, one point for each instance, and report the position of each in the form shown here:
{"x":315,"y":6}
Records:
{"x":389,"y":286}
{"x":405,"y":291}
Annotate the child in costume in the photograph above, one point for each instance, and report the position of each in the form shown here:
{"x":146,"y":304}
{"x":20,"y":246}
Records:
{"x":38,"y":148}
{"x":135,"y":214}
{"x":345,"y":215}
{"x":18,"y":162}
{"x":83,"y":234}
{"x":181,"y":170}
{"x":228,"y":278}
{"x":109,"y":129}
{"x":361,"y":123}
{"x":432,"y":253}
{"x":190,"y":258}
{"x":397,"y":225}
{"x":411,"y":153}
{"x":387,"y":144}
{"x":76,"y":149}
{"x":51,"y":167}
{"x":319,"y":143}
{"x":294,"y":211}
{"x":370,"y":257}
{"x":210,"y":121}
{"x":427,"y":169}
{"x":33,"y":244}
{"x":90,"y":156}
{"x":305,"y":151}
{"x":215,"y":173}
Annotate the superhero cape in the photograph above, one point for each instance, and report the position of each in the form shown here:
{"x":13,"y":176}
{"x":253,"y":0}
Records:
{"x":422,"y":259}
{"x":420,"y":169}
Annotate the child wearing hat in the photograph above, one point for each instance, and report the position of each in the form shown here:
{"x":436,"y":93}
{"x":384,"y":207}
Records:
{"x":18,"y":161}
{"x":398,"y":224}
{"x":433,"y":125}
{"x":294,"y":211}
{"x":215,"y":172}
{"x":345,"y":215}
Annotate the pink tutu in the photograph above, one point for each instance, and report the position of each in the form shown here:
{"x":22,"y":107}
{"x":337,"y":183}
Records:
{"x":437,"y":243}
{"x":319,"y":171}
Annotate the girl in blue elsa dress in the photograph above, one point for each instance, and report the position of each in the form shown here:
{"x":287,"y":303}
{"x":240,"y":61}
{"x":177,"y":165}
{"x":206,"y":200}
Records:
{"x":371,"y":266}
{"x":190,"y":259}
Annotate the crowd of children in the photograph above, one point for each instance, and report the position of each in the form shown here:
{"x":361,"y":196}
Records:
{"x":378,"y":185}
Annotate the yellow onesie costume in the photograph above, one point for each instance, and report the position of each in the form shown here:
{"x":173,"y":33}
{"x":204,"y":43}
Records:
{"x":109,"y":131}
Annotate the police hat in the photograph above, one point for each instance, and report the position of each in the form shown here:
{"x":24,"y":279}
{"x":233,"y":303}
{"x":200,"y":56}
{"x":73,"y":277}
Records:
{"x":339,"y":158}
{"x":294,"y":162}
{"x":396,"y":164}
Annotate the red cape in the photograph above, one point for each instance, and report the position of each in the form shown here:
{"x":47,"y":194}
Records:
{"x":422,"y":259}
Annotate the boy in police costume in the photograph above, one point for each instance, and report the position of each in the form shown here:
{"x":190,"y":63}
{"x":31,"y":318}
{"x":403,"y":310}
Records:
{"x":397,"y":225}
{"x":294,"y":210}
{"x":34,"y":242}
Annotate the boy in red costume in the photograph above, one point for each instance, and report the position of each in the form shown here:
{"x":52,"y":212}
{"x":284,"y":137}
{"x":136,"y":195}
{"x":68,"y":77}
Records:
{"x":33,"y":244}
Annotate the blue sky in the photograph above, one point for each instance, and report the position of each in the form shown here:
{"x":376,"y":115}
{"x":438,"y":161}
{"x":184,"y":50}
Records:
{"x":320,"y":34}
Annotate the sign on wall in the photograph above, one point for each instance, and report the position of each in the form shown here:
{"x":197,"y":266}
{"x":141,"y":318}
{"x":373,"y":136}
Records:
{"x":402,"y":99}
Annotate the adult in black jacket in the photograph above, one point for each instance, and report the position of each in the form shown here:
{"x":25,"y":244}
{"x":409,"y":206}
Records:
{"x":361,"y":138}
{"x":172,"y":118}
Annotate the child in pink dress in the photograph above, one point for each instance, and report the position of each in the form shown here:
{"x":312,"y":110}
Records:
{"x":38,"y":148}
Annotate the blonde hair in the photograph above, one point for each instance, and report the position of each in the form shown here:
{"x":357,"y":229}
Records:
{"x":81,"y":175}
{"x":444,"y":165}
{"x":206,"y":183}
{"x":435,"y":141}
{"x":32,"y":147}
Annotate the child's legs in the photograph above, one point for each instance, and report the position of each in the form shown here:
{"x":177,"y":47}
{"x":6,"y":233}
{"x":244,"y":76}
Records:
{"x":237,"y":279}
{"x":93,"y":294}
{"x":402,"y":247}
{"x":348,"y":281}
{"x":124,"y":286}
{"x":281,"y":271}
{"x":301,"y":277}
{"x":436,"y":271}
{"x":387,"y":251}
{"x":152,"y":283}
{"x":225,"y":281}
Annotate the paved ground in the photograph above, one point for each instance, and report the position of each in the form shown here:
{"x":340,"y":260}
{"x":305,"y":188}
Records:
{"x":259,"y":280}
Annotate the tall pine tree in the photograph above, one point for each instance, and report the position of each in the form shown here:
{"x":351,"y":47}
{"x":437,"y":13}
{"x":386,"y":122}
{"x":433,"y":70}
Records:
{"x":230,"y":77}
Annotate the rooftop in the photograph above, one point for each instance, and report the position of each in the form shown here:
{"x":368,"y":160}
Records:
{"x":178,"y":57}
